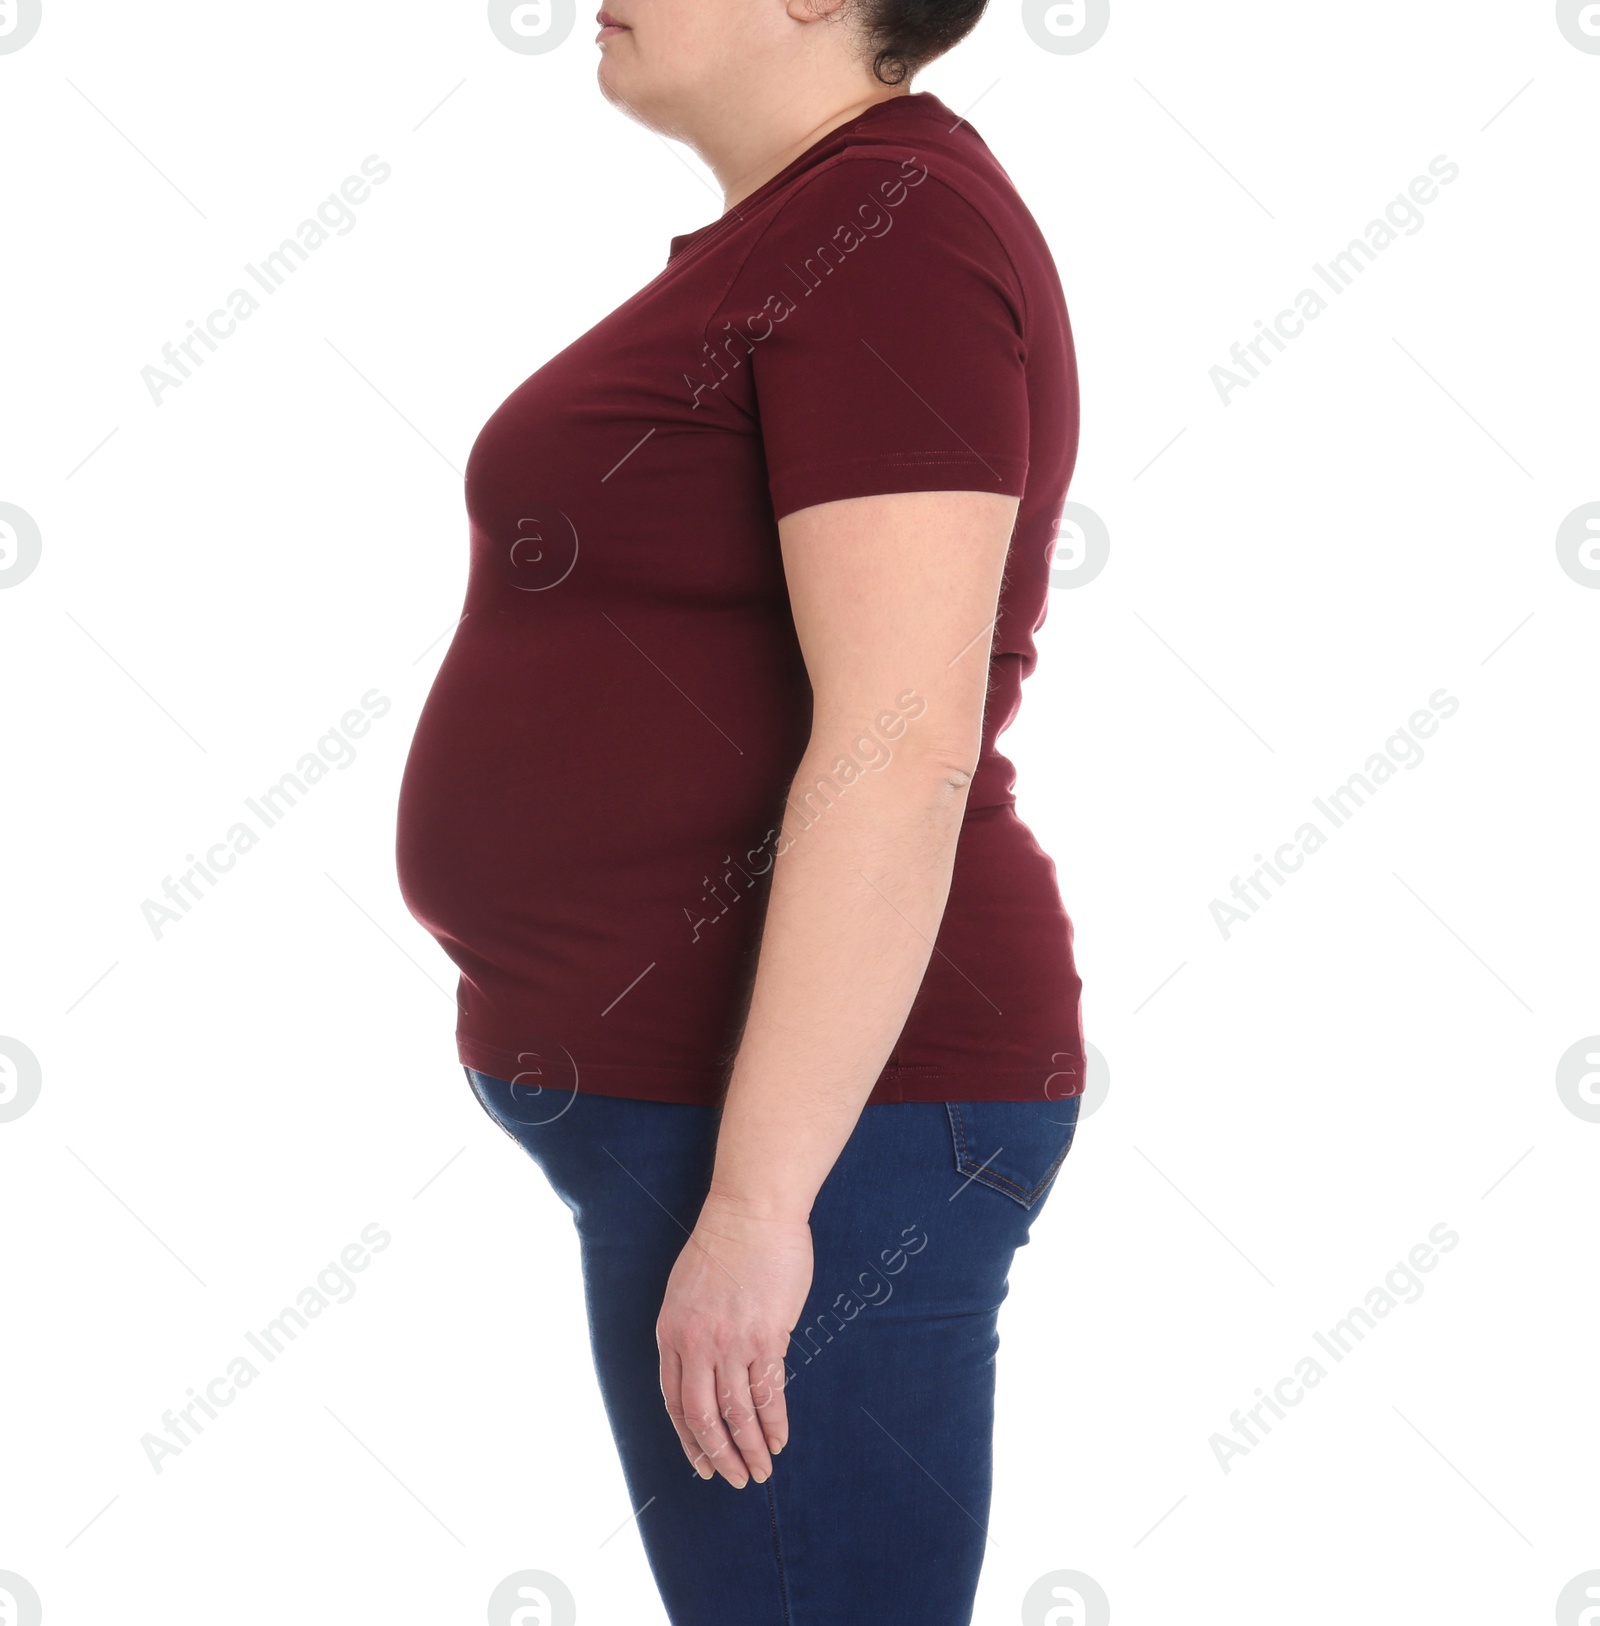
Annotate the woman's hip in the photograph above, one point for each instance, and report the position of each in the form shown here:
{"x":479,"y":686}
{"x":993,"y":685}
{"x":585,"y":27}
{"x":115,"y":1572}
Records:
{"x":919,"y":1216}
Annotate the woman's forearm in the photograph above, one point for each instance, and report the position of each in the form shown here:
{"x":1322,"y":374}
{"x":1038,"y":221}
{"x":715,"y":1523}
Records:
{"x":858,"y":890}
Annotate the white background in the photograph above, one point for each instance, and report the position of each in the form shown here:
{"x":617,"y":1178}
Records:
{"x":1292,"y":1107}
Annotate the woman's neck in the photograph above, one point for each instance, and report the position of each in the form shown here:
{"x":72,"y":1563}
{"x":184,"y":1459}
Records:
{"x":752,"y":155}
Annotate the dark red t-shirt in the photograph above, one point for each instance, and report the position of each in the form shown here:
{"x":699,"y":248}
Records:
{"x":591,"y":805}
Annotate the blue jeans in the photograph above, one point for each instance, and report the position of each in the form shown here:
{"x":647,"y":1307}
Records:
{"x":876,"y":1508}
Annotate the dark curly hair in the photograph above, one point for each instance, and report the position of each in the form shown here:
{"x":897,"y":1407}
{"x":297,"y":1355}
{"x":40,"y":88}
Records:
{"x":906,"y":35}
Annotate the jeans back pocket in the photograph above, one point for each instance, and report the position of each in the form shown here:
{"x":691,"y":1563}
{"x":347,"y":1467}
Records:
{"x":1014,"y":1147}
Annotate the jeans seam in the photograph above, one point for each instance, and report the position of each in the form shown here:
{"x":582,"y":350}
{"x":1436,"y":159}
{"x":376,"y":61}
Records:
{"x":777,"y":1554}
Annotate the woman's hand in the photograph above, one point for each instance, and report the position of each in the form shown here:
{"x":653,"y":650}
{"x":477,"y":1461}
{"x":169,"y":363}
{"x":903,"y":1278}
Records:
{"x":732,"y":1300}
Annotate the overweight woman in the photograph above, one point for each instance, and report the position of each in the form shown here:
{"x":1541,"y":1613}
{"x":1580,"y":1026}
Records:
{"x":758,"y":962}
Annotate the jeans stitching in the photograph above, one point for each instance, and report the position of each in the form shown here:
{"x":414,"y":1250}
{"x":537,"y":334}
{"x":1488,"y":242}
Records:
{"x":777,"y":1553}
{"x":1001,"y":1182}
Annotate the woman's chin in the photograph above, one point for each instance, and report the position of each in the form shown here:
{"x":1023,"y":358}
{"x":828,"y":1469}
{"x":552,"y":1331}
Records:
{"x":625,"y":92}
{"x":613,"y":81}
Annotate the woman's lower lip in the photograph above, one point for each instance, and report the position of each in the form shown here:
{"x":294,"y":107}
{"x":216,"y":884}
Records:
{"x":610,"y":29}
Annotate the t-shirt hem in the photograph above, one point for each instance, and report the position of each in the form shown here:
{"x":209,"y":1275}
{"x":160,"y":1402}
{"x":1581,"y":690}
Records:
{"x":891,"y":474}
{"x":694,"y":1086}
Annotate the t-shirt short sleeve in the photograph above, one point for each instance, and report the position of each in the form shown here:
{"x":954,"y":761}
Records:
{"x":886,"y":335}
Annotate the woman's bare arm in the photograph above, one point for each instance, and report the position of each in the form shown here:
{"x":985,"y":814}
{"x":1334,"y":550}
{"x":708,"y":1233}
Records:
{"x":893,"y":597}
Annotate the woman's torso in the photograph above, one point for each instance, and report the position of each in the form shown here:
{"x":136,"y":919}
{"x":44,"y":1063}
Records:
{"x":593,"y":793}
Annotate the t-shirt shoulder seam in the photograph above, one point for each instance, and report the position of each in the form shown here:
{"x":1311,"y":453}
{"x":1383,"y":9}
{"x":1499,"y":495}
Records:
{"x":946,"y":184}
{"x":999,"y":242}
{"x":878,"y":152}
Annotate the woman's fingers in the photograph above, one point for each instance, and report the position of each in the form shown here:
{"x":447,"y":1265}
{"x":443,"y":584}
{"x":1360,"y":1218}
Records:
{"x":703,"y":1413}
{"x":766,"y":1394}
{"x":672,"y":1394}
{"x":729,"y":1419}
{"x":743,"y":1423}
{"x":722,"y":1358}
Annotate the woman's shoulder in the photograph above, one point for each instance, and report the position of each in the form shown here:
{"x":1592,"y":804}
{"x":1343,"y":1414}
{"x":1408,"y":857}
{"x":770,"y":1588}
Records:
{"x":925,"y":212}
